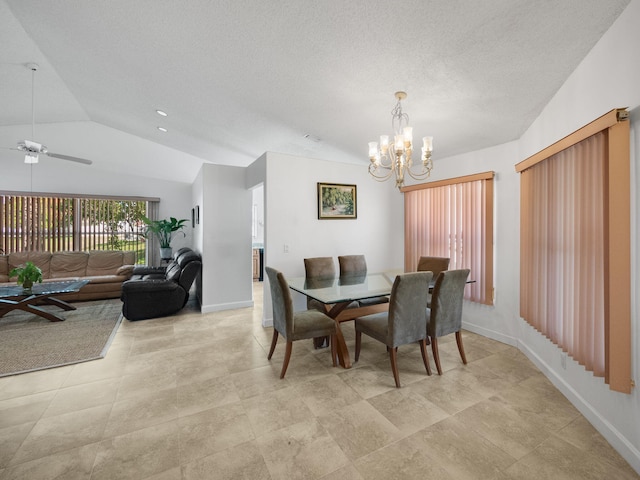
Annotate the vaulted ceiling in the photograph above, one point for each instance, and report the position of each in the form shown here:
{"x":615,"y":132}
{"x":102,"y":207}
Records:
{"x":308,"y":77}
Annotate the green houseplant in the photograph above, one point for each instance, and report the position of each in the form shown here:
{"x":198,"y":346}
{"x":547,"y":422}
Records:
{"x":163,"y":230}
{"x":27,"y":274}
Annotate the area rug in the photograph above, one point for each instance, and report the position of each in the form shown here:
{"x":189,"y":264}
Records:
{"x":29,"y":342}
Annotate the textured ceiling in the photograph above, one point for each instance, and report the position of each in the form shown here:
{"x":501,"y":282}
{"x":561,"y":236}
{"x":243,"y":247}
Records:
{"x":241,"y":77}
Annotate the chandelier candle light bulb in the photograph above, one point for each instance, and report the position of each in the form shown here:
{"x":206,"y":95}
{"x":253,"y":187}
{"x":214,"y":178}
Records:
{"x":396,"y":158}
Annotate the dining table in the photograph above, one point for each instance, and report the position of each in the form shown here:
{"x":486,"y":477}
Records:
{"x":340,"y":296}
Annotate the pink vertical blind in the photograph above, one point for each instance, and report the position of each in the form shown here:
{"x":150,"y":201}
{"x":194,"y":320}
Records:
{"x":575,"y":246}
{"x":454,"y":219}
{"x":562,"y":257}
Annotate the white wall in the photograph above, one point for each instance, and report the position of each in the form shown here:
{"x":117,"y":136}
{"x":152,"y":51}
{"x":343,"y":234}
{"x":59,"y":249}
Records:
{"x":197,"y":198}
{"x":291,"y":218}
{"x":606,"y":79}
{"x":225,"y":218}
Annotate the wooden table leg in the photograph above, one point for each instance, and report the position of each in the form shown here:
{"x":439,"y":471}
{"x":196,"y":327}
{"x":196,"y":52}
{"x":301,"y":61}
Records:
{"x":57,"y":302}
{"x":341,"y":347}
{"x":7,"y":306}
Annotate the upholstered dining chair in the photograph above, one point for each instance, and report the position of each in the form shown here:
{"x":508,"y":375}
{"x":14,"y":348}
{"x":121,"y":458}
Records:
{"x":318,"y":268}
{"x":445,"y":314}
{"x":404,"y":323}
{"x":433,"y":264}
{"x":356,"y":265}
{"x":295,"y":325}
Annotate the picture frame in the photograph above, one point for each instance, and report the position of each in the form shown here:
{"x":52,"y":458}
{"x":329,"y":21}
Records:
{"x":193,"y":217}
{"x":337,"y":201}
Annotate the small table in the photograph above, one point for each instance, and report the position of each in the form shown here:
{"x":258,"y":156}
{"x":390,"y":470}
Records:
{"x":15,"y":298}
{"x":337,"y":293}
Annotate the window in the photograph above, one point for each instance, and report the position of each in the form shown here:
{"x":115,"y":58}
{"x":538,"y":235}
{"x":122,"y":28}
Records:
{"x":575,"y":246}
{"x":453,"y":218}
{"x":39,"y":222}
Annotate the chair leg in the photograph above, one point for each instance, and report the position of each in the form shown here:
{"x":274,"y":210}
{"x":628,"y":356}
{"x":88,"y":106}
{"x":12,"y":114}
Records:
{"x":334,"y":350}
{"x":287,"y":356}
{"x":394,"y":365}
{"x":358,"y":344}
{"x":274,"y":340}
{"x":460,"y":346}
{"x":425,"y":357}
{"x":436,"y":356}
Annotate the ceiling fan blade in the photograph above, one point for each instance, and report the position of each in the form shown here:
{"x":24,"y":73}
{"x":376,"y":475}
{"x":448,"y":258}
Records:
{"x":72,"y":159}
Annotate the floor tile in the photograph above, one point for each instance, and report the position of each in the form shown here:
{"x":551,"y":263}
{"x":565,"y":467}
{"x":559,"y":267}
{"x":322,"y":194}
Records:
{"x":407,"y":410}
{"x":242,"y":461}
{"x":360,"y":429}
{"x":74,"y":464}
{"x":63,"y":432}
{"x":139,"y":454}
{"x":301,"y":451}
{"x":212,"y":431}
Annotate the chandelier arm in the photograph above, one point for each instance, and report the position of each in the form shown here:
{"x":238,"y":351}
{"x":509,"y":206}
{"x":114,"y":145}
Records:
{"x":424,"y":173}
{"x":389,"y":161}
{"x":380,"y":178}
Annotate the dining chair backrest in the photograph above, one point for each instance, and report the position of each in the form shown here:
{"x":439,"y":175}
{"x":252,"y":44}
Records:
{"x":319,"y":267}
{"x":282,"y":302}
{"x":352,"y":265}
{"x":446,"y":302}
{"x":408,"y":308}
{"x":433,"y":264}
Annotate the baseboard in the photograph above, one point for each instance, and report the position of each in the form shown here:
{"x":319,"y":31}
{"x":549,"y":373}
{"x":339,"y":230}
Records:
{"x":493,"y":335}
{"x":618,"y":441}
{"x":226,"y":306}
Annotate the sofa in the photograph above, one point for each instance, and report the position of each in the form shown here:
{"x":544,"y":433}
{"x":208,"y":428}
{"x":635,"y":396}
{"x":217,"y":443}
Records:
{"x":106,"y":270}
{"x":153,"y":292}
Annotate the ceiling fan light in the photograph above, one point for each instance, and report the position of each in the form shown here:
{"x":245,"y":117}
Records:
{"x":30,"y":157}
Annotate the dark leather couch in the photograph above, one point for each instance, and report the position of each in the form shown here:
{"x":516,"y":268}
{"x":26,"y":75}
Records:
{"x":160,"y":291}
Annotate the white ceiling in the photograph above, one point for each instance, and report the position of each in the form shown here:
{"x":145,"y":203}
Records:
{"x":241,"y":77}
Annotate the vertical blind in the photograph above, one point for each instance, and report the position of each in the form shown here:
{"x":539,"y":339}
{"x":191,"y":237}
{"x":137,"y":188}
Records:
{"x":575,"y":246}
{"x":454,"y":219}
{"x":562,"y":250}
{"x":53,"y":222}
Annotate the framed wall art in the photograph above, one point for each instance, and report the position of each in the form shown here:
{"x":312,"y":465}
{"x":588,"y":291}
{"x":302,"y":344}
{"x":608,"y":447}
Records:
{"x":337,"y":201}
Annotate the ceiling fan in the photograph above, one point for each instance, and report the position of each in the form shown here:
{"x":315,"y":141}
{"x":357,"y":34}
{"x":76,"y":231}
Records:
{"x":32,"y":150}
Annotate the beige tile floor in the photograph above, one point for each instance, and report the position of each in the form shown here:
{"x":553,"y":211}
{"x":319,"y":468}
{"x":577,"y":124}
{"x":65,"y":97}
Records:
{"x":194,"y":397}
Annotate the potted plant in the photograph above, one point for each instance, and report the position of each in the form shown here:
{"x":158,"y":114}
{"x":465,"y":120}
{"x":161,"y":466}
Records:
{"x":27,"y":275}
{"x":163,"y":230}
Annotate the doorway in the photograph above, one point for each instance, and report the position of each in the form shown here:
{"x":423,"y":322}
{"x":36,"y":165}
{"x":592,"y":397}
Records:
{"x":257,"y":233}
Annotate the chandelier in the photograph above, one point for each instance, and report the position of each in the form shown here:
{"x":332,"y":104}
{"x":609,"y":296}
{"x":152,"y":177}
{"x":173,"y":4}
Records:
{"x":395,"y":157}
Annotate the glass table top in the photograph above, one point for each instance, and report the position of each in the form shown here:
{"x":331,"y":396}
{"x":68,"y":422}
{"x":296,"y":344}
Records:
{"x":345,"y":288}
{"x":44,"y":288}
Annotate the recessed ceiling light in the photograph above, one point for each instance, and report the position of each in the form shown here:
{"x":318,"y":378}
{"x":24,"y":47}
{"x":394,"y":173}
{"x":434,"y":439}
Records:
{"x":160,"y":112}
{"x":162,"y":129}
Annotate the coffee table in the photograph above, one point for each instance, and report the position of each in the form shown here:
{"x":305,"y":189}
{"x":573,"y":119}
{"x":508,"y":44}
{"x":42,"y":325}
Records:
{"x":14,"y":298}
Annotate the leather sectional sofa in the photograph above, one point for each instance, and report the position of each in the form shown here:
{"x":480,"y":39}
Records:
{"x":106,"y":270}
